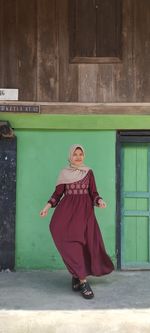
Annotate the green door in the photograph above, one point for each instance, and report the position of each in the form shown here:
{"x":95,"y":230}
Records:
{"x":135,"y":206}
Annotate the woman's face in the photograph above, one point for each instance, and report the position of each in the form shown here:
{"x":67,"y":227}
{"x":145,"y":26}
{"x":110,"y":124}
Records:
{"x":77,"y":157}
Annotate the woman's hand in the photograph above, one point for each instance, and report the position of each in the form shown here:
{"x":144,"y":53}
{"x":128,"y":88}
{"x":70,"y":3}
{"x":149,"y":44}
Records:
{"x":45,"y":210}
{"x":101,"y":203}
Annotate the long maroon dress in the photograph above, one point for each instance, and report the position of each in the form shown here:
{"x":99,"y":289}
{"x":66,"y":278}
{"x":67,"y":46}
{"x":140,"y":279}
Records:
{"x":75,"y":230}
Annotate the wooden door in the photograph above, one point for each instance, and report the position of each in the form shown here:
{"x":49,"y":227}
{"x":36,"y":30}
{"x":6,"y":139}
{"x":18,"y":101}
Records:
{"x":134,"y":193}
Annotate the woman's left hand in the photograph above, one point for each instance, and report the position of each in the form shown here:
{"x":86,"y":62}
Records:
{"x":102,"y":204}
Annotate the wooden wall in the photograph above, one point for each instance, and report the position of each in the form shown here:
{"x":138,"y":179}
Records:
{"x":34,"y":55}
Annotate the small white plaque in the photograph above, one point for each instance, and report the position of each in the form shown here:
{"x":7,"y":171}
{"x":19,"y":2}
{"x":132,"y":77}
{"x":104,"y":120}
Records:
{"x":8,"y":94}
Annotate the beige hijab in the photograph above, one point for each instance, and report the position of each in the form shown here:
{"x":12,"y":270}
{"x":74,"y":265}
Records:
{"x":72,"y":173}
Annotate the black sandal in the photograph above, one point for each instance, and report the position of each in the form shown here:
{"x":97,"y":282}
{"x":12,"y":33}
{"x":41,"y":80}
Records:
{"x":75,"y":284}
{"x":85,"y":289}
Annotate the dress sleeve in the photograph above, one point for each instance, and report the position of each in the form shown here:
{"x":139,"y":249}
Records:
{"x":93,"y":190}
{"x":56,"y":196}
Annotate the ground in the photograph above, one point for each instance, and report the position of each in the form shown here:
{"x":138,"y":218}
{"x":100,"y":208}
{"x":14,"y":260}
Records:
{"x":43,"y":301}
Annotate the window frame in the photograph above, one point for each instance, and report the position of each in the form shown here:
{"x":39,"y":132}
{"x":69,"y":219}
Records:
{"x":73,"y":58}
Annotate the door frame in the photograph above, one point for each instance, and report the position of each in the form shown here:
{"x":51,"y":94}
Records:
{"x":124,"y":136}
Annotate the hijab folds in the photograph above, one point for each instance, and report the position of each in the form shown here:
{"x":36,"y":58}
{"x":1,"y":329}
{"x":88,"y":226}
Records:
{"x":73,"y":173}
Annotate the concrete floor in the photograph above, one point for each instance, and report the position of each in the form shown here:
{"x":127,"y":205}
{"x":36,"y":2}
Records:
{"x":43,"y":302}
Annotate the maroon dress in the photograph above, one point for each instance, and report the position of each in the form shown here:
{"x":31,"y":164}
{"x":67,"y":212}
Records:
{"x":75,"y":230}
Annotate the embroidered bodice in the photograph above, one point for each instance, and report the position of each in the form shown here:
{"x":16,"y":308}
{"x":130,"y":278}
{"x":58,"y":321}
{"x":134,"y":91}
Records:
{"x":84,"y":186}
{"x":80,"y":187}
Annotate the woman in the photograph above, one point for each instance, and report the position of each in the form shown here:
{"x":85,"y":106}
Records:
{"x":73,"y":226}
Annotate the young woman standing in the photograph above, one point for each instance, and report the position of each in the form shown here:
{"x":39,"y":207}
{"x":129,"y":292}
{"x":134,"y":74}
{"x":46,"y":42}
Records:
{"x":73,"y":226}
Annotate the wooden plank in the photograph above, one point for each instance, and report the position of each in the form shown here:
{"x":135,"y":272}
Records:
{"x":96,"y":83}
{"x":96,"y":108}
{"x":142,"y":239}
{"x":128,"y":183}
{"x":68,"y":73}
{"x":148,"y":158}
{"x":142,"y":50}
{"x":129,"y":223}
{"x":82,"y":28}
{"x":105,"y":83}
{"x":109,"y":26}
{"x":142,"y":204}
{"x":130,"y":240}
{"x":27,"y":48}
{"x":95,"y":60}
{"x":142,"y":170}
{"x":129,"y":174}
{"x":90,"y":109}
{"x":1,"y":44}
{"x":8,"y":44}
{"x":47,"y":71}
{"x":9,"y":49}
{"x":88,"y":83}
{"x":125,"y":73}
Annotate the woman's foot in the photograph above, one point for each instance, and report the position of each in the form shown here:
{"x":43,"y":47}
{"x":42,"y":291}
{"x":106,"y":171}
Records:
{"x":86,"y":290}
{"x":75,"y":284}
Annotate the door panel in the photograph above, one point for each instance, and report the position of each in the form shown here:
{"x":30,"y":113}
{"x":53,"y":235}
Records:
{"x":8,"y":151}
{"x":135,"y":205}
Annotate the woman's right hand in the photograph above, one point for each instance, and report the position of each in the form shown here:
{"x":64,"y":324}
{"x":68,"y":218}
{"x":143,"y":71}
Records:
{"x":45,"y":210}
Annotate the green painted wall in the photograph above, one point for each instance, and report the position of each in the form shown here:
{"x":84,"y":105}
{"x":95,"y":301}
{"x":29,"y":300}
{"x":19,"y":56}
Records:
{"x":43,"y":142}
{"x":41,"y":154}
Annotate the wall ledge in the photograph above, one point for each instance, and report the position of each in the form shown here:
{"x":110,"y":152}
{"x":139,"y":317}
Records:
{"x":86,"y":108}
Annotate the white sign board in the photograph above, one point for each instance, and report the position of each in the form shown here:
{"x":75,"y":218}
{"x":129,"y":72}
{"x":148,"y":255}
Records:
{"x":8,"y":94}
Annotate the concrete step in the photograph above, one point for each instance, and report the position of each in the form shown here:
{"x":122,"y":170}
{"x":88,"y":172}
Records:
{"x":43,"y":302}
